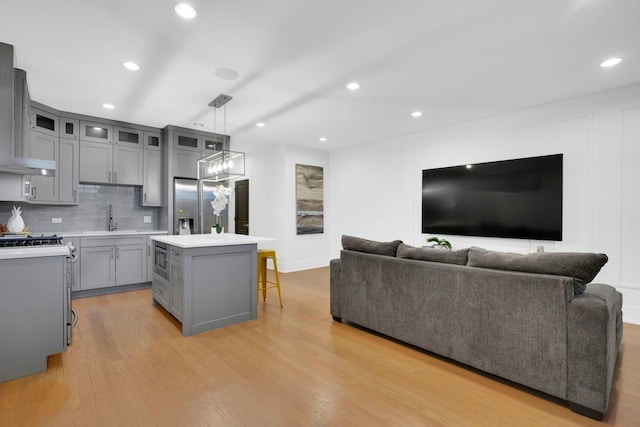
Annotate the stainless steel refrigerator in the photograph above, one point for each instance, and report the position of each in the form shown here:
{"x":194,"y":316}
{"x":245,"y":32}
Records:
{"x":192,"y":212}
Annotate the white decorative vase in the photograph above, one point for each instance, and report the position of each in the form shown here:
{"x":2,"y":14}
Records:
{"x":15,"y":223}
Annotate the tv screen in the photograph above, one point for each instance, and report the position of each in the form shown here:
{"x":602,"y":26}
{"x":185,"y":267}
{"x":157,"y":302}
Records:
{"x":519,"y":198}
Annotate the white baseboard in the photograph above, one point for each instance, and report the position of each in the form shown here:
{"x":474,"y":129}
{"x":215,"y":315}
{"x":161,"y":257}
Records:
{"x":299,"y":265}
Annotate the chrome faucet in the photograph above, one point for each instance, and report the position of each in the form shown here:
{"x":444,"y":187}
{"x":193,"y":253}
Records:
{"x":112,"y":224}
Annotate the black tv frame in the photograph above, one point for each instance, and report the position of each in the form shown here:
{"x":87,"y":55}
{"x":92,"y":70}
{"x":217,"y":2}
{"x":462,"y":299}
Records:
{"x":518,"y":198}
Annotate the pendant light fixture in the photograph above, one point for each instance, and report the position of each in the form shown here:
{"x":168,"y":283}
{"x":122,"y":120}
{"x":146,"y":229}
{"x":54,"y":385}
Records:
{"x":223,"y":164}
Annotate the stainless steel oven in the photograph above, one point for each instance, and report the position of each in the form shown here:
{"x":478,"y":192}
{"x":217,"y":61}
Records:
{"x":161,"y":258}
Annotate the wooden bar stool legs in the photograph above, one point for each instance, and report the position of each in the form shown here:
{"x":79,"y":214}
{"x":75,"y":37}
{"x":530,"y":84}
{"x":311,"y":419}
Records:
{"x":263,"y":283}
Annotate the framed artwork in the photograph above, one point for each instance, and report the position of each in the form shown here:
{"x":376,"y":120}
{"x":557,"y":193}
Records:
{"x":309,"y":199}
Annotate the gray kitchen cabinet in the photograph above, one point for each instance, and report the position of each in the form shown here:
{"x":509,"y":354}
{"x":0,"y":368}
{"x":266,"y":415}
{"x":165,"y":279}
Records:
{"x":107,"y":261}
{"x":160,"y":291}
{"x":152,"y":140}
{"x":43,"y":122}
{"x":96,"y":132}
{"x":152,"y":182}
{"x":131,"y":264}
{"x":43,"y":189}
{"x":108,"y":164}
{"x":127,"y":165}
{"x":97,"y":267}
{"x":129,"y":136}
{"x":33,"y":307}
{"x":176,"y":284}
{"x":184,"y":163}
{"x":68,"y":170}
{"x":96,"y":162}
{"x":69,"y":128}
{"x":189,"y":148}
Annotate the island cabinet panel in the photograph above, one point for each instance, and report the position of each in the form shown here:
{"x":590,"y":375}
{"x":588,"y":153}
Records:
{"x":209,"y":287}
{"x":32,"y":319}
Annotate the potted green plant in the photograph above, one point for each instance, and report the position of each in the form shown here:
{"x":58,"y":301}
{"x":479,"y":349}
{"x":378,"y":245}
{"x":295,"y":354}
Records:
{"x":439,"y":243}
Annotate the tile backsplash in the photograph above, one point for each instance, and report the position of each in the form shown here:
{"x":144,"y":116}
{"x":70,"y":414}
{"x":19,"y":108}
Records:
{"x":91,"y":213}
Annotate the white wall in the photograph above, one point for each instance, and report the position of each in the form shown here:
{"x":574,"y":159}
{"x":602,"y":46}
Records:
{"x":374,"y":190}
{"x":272,"y":205}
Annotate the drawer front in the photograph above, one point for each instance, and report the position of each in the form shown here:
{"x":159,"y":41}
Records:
{"x":160,"y":291}
{"x":138,"y":239}
{"x":175,"y":252}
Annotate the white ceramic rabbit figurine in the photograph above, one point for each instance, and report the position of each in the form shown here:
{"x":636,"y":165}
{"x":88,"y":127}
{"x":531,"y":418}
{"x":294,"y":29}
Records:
{"x":15,"y":223}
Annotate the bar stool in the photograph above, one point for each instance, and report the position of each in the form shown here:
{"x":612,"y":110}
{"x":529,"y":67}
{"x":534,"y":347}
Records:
{"x":263,"y":256}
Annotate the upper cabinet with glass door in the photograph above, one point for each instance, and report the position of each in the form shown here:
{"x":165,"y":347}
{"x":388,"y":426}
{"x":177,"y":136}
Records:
{"x":96,"y":132}
{"x":69,"y":128}
{"x":44,"y":122}
{"x":130,"y":137}
{"x":152,"y":140}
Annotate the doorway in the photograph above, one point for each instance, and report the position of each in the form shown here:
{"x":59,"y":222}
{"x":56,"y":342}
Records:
{"x":242,"y":206}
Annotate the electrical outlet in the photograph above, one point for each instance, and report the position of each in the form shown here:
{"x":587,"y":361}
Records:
{"x":56,"y":220}
{"x":147,"y":219}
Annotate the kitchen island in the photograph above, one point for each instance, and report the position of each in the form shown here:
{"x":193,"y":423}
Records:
{"x":206,"y":281}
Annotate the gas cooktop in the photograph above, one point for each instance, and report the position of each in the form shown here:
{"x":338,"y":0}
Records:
{"x":19,"y":240}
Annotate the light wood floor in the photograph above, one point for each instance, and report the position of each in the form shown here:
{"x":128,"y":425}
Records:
{"x":129,"y":365}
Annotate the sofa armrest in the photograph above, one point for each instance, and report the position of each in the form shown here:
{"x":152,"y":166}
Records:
{"x":594,"y":329}
{"x":335,"y":268}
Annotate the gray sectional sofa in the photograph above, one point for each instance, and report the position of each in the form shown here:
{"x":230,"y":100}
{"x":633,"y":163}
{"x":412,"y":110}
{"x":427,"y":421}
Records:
{"x":531,"y":319}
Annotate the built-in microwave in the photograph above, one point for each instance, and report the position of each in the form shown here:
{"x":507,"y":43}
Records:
{"x":161,"y":260}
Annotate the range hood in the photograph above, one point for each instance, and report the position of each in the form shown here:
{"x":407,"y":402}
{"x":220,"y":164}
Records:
{"x":12,"y":121}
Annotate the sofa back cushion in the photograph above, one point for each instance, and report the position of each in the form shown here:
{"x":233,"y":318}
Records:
{"x":581,"y":266}
{"x":359,"y":244}
{"x":432,"y":254}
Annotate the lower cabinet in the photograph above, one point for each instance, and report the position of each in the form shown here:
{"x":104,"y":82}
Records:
{"x":112,"y":261}
{"x":177,"y":288}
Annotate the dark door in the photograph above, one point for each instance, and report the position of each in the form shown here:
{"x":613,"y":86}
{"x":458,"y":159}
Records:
{"x":242,"y":206}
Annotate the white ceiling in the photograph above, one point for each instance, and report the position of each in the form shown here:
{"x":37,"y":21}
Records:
{"x":453,"y":60}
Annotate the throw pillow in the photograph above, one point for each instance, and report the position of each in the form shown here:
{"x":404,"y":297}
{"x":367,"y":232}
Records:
{"x":581,"y":266}
{"x":370,"y":246}
{"x":432,"y":254}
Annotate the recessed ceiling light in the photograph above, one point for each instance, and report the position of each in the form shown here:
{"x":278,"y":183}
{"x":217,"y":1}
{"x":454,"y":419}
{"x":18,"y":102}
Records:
{"x":611,"y":62}
{"x":227,"y":73}
{"x":469,"y":166}
{"x":200,"y":125}
{"x":323,"y":139}
{"x":185,"y":11}
{"x":353,"y":86}
{"x":416,"y":114}
{"x":108,"y":106}
{"x":130,"y":65}
{"x":260,"y":124}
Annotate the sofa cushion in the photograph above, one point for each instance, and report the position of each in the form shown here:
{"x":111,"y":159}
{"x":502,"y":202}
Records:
{"x":370,"y":246}
{"x":433,"y":254}
{"x":581,"y":266}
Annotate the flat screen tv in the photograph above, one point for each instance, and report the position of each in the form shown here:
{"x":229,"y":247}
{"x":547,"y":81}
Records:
{"x":519,"y":198}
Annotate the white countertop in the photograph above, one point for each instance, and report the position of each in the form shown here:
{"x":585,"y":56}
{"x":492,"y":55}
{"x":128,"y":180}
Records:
{"x":34,"y":252}
{"x":207,"y":240}
{"x":104,"y":233}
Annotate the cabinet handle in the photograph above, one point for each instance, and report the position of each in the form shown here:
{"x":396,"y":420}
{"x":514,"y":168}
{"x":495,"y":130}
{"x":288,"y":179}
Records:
{"x":33,"y":192}
{"x":115,"y":177}
{"x":111,"y":252}
{"x":148,"y":250}
{"x":75,"y":195}
{"x":109,"y":176}
{"x":145,"y":197}
{"x":117,"y":253}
